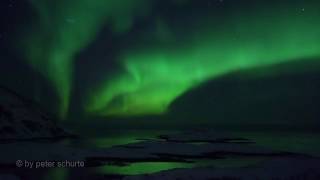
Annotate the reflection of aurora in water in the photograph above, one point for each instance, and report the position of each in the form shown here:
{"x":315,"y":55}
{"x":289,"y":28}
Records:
{"x":153,"y":167}
{"x":178,"y":55}
{"x":287,"y":142}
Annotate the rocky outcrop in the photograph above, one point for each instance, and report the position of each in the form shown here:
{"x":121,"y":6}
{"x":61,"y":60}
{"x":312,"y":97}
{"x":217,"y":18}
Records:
{"x":22,"y":119}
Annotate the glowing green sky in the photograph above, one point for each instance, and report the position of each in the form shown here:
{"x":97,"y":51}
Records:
{"x":63,"y":28}
{"x":154,"y":74}
{"x":155,"y":77}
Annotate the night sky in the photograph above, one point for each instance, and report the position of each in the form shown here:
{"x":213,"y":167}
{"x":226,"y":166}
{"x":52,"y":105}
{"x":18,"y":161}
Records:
{"x":133,"y":58}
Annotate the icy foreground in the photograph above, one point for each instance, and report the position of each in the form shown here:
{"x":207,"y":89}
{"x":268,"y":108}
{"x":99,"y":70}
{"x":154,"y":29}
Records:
{"x":183,"y":148}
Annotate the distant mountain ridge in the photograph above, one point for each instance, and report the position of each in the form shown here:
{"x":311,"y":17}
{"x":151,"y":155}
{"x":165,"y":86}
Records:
{"x":286,"y":94}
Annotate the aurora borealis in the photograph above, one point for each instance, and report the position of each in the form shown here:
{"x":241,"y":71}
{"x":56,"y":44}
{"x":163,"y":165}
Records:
{"x":172,"y":89}
{"x":62,"y":29}
{"x":164,"y":57}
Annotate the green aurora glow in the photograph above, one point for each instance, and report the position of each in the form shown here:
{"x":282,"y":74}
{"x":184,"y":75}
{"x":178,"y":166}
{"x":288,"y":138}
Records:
{"x":64,"y":28}
{"x":154,"y":75}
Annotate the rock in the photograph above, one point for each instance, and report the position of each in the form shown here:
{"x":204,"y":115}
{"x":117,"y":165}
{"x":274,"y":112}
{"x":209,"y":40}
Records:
{"x":203,"y":136}
{"x":21,"y":119}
